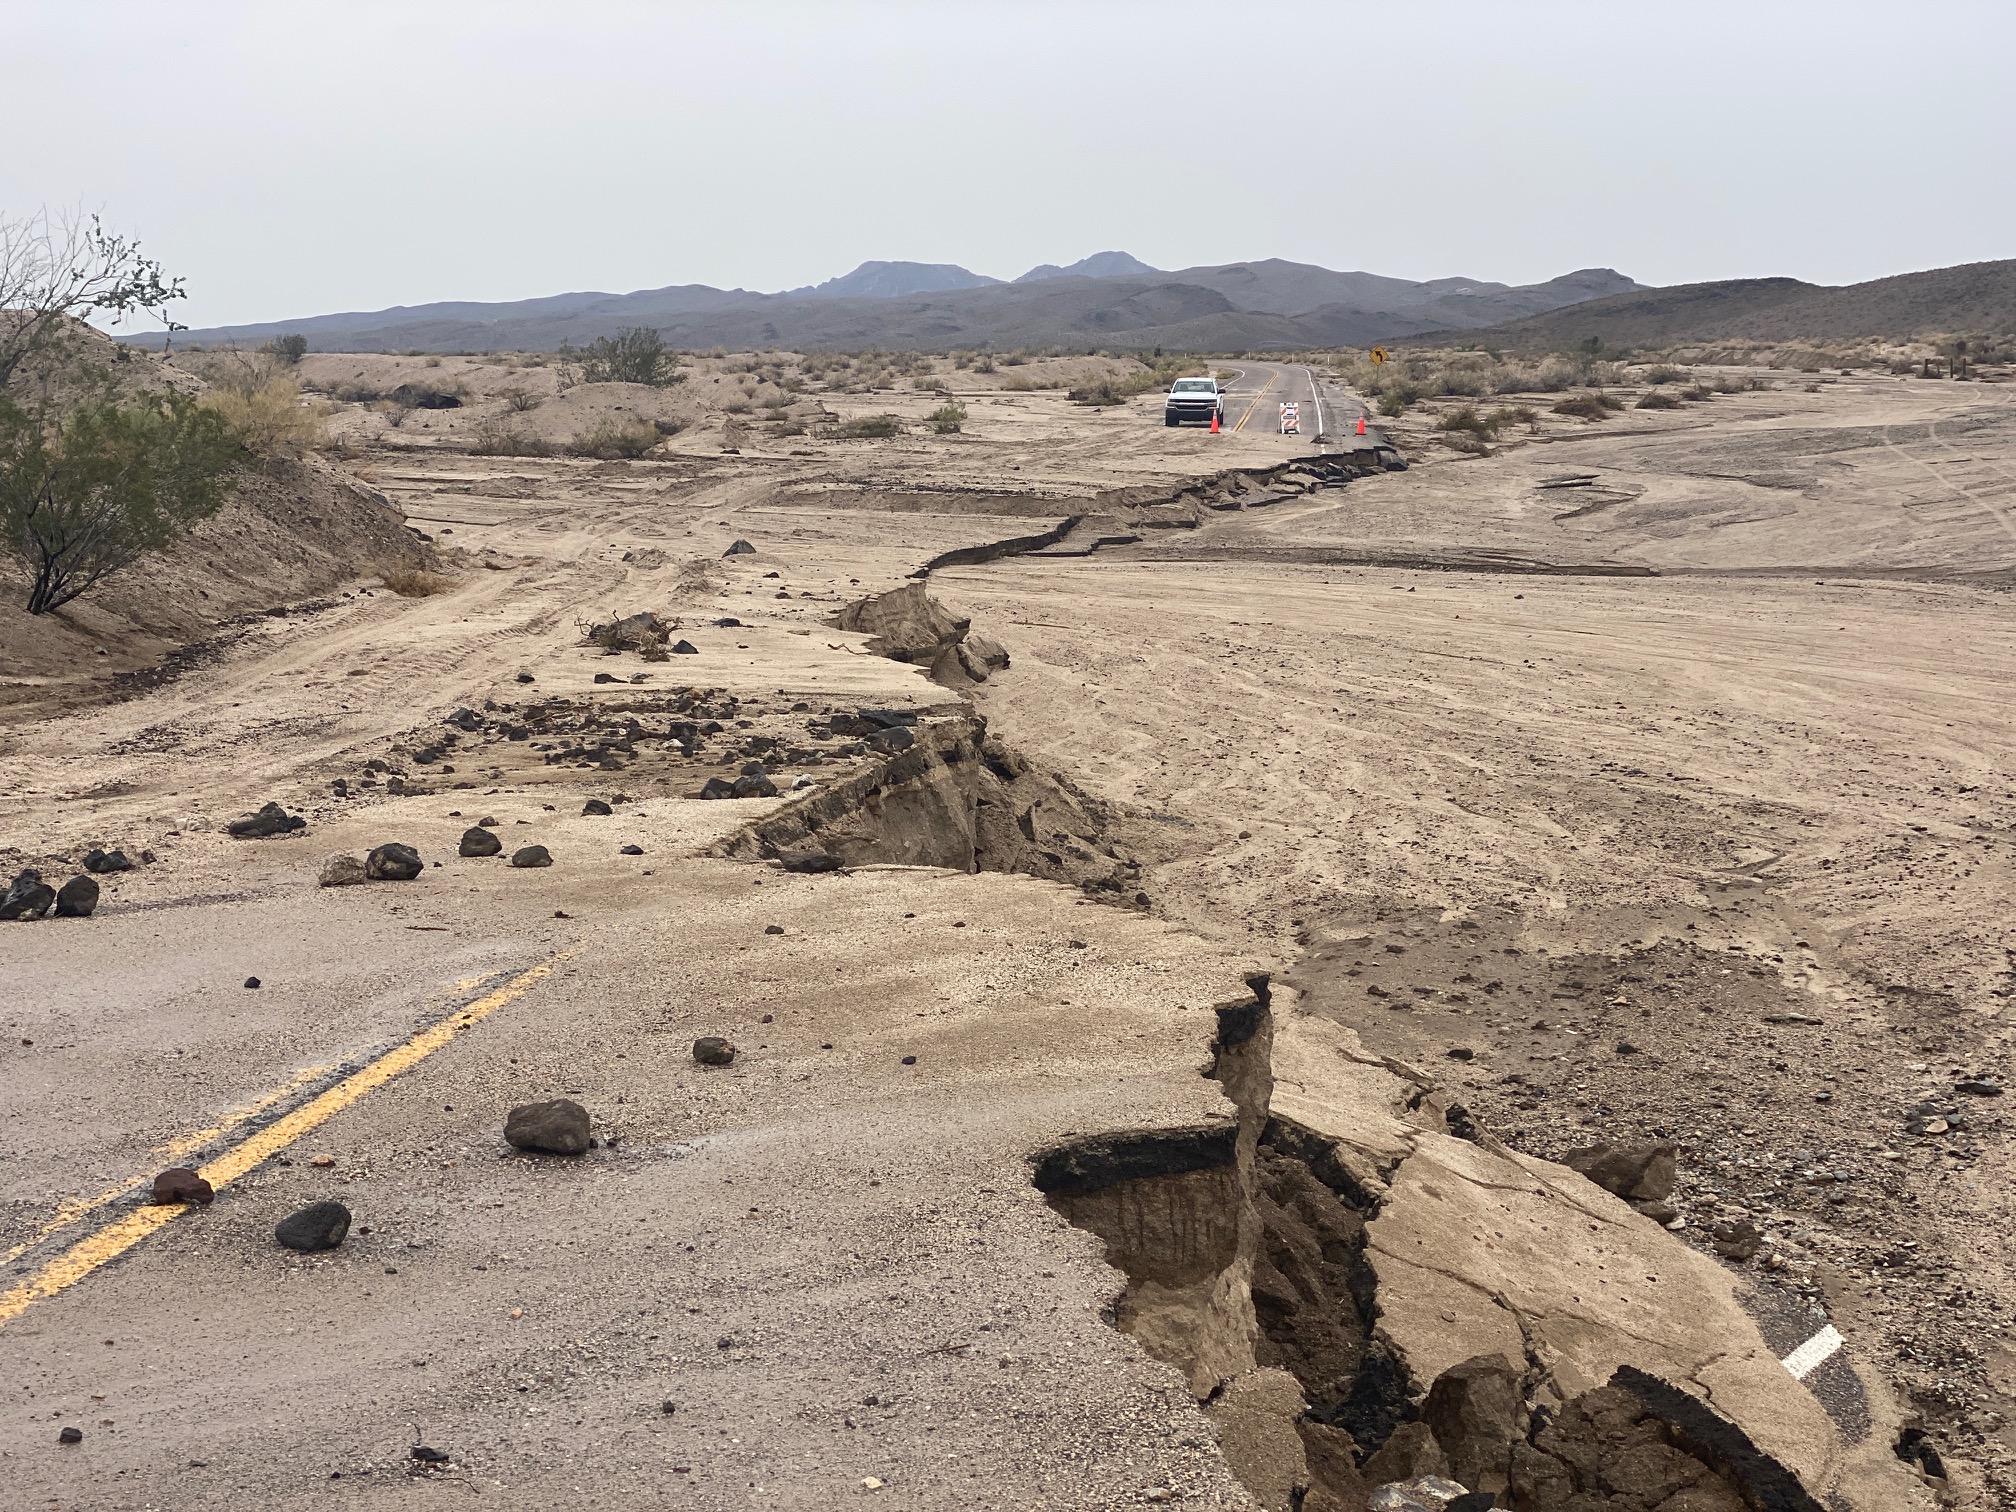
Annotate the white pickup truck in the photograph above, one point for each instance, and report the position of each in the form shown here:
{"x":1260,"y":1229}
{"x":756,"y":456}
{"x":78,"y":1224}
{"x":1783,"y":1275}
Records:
{"x":1193,"y":399}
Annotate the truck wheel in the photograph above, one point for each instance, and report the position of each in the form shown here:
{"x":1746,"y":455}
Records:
{"x":1168,"y":419}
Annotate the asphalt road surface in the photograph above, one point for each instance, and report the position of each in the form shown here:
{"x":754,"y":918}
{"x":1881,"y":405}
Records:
{"x":1255,"y":394}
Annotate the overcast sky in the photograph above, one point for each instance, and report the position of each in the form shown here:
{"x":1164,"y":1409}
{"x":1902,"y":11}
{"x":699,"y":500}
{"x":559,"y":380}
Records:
{"x":298,"y":158}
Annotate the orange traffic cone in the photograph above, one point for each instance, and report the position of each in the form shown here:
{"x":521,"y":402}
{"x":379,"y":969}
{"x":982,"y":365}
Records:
{"x":1361,"y":425}
{"x":1214,"y":422}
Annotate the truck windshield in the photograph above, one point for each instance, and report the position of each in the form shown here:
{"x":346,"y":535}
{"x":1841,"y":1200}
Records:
{"x":1192,"y":386}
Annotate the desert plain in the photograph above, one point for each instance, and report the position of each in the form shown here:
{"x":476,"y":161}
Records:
{"x":1162,"y":1094}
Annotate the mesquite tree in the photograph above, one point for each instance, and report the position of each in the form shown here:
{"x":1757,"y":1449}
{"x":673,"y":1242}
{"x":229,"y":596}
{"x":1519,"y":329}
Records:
{"x":87,"y":491}
{"x":60,"y":266}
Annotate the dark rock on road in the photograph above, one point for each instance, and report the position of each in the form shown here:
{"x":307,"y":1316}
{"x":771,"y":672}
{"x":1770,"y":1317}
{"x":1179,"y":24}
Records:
{"x":559,"y":1127}
{"x":595,"y":806}
{"x":28,"y":898}
{"x":393,"y":862}
{"x":477,"y":841}
{"x":77,"y":898}
{"x":531,"y":855}
{"x":270,"y":820}
{"x":712,"y":1050}
{"x":102,"y":861}
{"x":319,"y":1226}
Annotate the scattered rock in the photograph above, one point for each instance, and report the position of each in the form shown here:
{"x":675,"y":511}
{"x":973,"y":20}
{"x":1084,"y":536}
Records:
{"x":1460,"y":1053}
{"x":253,"y":983}
{"x":712,"y":1050}
{"x":102,"y":861}
{"x":605,"y":677}
{"x":740,"y":548}
{"x":270,"y":820}
{"x":70,"y":1435}
{"x":809,"y":861}
{"x":28,"y":898}
{"x":319,"y":1226}
{"x":629,"y":850}
{"x":753,"y":785}
{"x":77,"y":898}
{"x":393,"y":862}
{"x":526,"y":677}
{"x":684,"y":648}
{"x":426,"y":1455}
{"x":1644,"y":1172}
{"x":1425,"y":1493}
{"x":487,"y":822}
{"x":596,"y":806}
{"x":477,"y":841}
{"x":1973,"y":1086}
{"x":773,"y":929}
{"x":180,"y":1184}
{"x":716,"y":788}
{"x":1735,"y":1239}
{"x":531,"y":855}
{"x":341,"y":870}
{"x":559,"y":1127}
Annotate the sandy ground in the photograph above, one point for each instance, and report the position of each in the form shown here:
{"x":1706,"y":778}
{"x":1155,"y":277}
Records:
{"x":823,"y":1265}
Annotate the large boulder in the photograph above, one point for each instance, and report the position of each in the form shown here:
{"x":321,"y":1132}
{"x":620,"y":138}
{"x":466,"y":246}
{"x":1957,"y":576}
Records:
{"x":393,"y":862}
{"x":29,"y":897}
{"x":102,"y":861}
{"x":77,"y":898}
{"x":271,"y":819}
{"x":531,"y":855}
{"x":559,"y":1127}
{"x":712,"y":1050}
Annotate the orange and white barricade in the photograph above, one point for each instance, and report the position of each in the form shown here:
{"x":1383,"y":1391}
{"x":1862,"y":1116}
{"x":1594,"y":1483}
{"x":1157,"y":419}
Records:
{"x":1291,"y":420}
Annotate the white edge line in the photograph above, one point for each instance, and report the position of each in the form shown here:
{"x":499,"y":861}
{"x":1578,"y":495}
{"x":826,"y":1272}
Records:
{"x":1814,"y":1353}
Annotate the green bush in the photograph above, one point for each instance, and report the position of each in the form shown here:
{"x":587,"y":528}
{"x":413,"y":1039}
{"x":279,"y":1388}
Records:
{"x":497,"y":438}
{"x":869,"y":428}
{"x":290,"y":349}
{"x":947,"y":418}
{"x":1659,"y":399}
{"x":1593,"y":405}
{"x":638,"y":355}
{"x":86,"y":493}
{"x":613,"y":440}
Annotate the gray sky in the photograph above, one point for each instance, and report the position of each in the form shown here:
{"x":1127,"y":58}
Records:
{"x":298,"y":158}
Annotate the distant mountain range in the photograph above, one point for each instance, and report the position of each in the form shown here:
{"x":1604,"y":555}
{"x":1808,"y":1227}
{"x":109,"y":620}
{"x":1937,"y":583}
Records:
{"x":1110,"y":300}
{"x":1965,"y":300}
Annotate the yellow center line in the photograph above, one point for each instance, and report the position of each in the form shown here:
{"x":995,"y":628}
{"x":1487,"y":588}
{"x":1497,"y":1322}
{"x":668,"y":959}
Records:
{"x":1264,"y":392}
{"x":117,"y":1237}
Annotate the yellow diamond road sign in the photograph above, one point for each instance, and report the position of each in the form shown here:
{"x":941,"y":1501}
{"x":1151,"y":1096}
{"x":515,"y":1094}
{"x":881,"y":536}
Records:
{"x":1378,"y":354}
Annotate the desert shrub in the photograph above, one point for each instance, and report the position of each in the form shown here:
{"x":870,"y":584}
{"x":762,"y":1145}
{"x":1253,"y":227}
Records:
{"x":88,"y":492}
{"x":289,"y":349}
{"x":417,"y":582}
{"x":776,"y":402}
{"x":1014,"y":359}
{"x":1659,"y":399}
{"x":498,"y":438}
{"x":1516,"y":414}
{"x":613,"y":440}
{"x":930,"y":384}
{"x":1465,"y":418}
{"x":738,"y":406}
{"x":1697,"y":392}
{"x":1391,"y":403}
{"x":357,"y":393}
{"x":1663,"y":373}
{"x":269,"y":420}
{"x":947,"y":418}
{"x":668,"y":427}
{"x":637,"y":355}
{"x":869,"y":427}
{"x":984,"y":363}
{"x":1022,"y":383}
{"x":519,"y":400}
{"x":1467,"y":443}
{"x":1592,"y":405}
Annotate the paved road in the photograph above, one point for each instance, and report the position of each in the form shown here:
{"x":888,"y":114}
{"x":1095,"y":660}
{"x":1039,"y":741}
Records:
{"x":1258,"y":390}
